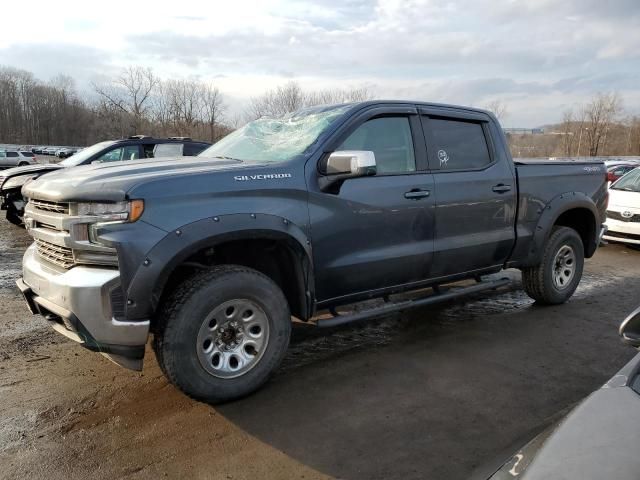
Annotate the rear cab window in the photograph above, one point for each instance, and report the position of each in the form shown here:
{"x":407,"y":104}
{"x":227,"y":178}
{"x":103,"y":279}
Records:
{"x":168,"y":150}
{"x":458,"y":144}
{"x":193,"y":149}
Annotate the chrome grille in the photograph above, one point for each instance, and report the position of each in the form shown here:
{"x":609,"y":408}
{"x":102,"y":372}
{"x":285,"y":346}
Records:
{"x":60,"y":256}
{"x":47,"y":206}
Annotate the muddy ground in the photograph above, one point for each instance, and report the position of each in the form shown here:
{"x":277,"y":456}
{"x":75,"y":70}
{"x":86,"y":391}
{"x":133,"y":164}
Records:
{"x":435,"y":393}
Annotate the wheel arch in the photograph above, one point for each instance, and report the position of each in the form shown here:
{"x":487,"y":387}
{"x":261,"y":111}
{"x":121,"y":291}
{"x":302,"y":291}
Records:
{"x":268,"y":243}
{"x":574,"y":210}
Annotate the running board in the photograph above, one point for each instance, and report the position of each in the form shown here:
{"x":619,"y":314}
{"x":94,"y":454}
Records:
{"x":403,"y":305}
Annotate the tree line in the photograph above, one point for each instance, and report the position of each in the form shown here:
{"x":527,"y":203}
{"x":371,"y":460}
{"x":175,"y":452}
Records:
{"x":599,"y":127}
{"x":136,"y":101}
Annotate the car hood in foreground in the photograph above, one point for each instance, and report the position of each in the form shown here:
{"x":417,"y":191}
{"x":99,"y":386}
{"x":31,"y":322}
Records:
{"x":599,"y":439}
{"x":37,"y":168}
{"x":111,"y":181}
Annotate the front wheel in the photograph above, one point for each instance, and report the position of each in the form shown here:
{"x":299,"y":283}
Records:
{"x":555,"y":279}
{"x":222,"y":332}
{"x":13,"y":216}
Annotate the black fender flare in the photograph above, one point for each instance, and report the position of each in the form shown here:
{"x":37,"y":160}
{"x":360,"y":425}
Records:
{"x":551,"y":212}
{"x":149,"y":280}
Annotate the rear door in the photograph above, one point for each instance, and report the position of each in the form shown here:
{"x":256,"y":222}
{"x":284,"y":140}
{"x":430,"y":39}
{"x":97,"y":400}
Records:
{"x":12,"y":159}
{"x":475,"y":192}
{"x":375,"y":232}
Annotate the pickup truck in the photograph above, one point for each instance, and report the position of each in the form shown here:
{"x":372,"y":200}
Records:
{"x":289,"y":216}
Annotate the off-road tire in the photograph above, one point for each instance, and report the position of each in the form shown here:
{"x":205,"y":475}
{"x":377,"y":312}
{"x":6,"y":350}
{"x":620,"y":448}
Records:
{"x":183,"y":312}
{"x":538,"y":281}
{"x":13,"y":217}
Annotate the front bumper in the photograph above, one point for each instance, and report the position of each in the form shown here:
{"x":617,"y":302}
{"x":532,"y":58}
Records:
{"x":76,"y":303}
{"x":627,"y":232}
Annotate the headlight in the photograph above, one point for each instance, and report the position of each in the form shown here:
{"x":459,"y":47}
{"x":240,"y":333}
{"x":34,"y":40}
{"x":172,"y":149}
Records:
{"x":128,"y":211}
{"x":18,"y":181}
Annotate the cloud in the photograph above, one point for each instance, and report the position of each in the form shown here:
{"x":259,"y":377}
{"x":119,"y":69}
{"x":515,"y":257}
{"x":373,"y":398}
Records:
{"x":539,"y":55}
{"x":48,"y":61}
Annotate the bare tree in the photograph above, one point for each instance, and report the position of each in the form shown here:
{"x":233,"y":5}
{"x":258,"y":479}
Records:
{"x":337,"y":95}
{"x":291,"y":97}
{"x":568,"y":129}
{"x":283,"y":99}
{"x":599,"y":115}
{"x":185,"y":105}
{"x":213,"y":109}
{"x":498,"y":108}
{"x":633,"y":136}
{"x":130,"y":92}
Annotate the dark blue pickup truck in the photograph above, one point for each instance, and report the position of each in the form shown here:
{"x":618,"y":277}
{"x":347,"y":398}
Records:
{"x":289,"y":216}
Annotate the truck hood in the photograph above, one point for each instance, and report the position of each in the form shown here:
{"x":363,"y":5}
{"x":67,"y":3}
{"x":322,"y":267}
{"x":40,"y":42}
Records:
{"x":111,"y":181}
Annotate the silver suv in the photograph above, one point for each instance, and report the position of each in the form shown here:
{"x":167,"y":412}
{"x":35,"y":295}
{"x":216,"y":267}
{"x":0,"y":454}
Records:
{"x":9,"y":158}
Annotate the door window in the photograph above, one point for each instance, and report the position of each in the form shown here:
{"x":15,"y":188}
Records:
{"x":12,"y":154}
{"x":130,"y":152}
{"x":458,"y":144}
{"x":389,"y":138}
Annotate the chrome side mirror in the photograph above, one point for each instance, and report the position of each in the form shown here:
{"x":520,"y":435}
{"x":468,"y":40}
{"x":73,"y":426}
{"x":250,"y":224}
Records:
{"x":345,"y":164}
{"x":630,"y":329}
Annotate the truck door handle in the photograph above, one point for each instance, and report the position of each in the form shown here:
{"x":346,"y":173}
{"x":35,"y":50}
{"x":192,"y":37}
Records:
{"x":416,"y":194}
{"x":501,"y":188}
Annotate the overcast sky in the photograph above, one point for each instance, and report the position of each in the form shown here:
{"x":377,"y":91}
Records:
{"x":539,"y":56}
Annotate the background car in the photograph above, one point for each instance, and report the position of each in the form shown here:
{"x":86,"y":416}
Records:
{"x":615,"y":171}
{"x":132,"y":148}
{"x":598,"y":439}
{"x":623,"y":212}
{"x":12,"y":158}
{"x":66,"y":152}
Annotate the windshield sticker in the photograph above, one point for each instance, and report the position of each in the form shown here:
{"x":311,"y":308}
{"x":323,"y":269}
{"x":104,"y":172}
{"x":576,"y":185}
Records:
{"x":444,"y":158}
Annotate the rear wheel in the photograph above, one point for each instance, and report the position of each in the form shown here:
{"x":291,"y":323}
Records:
{"x":23,"y":164}
{"x":222,"y":333}
{"x":556,"y":278}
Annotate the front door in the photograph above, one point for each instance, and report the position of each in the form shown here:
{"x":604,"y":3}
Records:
{"x":376,"y":232}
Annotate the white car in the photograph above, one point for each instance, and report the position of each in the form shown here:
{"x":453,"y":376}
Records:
{"x":623,"y":214}
{"x":13,"y":158}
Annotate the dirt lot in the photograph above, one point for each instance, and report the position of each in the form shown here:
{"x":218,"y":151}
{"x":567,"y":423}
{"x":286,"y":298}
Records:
{"x":435,"y":393}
